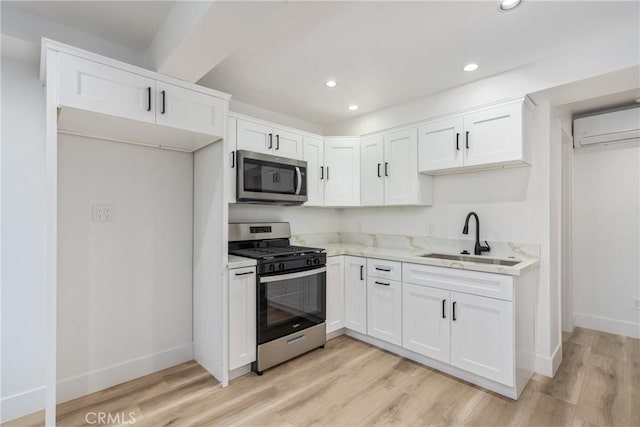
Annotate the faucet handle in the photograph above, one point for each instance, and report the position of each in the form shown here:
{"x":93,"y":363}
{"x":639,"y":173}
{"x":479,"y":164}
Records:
{"x":486,"y":248}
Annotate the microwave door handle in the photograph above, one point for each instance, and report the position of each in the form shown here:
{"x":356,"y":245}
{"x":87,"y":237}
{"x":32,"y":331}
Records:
{"x":298,"y":180}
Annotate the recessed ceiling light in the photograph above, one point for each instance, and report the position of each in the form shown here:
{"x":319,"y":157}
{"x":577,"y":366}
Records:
{"x":353,"y":107}
{"x":331,"y":83}
{"x":506,"y":5}
{"x":470,"y":67}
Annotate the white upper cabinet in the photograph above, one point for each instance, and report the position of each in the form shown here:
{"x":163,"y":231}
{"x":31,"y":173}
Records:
{"x":88,"y":85}
{"x":491,"y":137}
{"x":264,"y":138}
{"x":95,"y":93}
{"x":494,"y":135}
{"x":371,"y":171}
{"x":186,"y":109}
{"x":389,"y":171}
{"x":253,"y":136}
{"x":342,"y":172}
{"x":287,"y":144}
{"x":441,"y":145}
{"x":355,"y":294}
{"x":313,"y":154}
{"x":401,"y":168}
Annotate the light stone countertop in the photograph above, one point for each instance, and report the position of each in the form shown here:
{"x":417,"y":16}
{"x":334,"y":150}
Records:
{"x":240,"y":261}
{"x":413,"y":256}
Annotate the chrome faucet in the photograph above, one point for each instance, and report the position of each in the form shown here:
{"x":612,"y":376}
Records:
{"x":478,"y":248}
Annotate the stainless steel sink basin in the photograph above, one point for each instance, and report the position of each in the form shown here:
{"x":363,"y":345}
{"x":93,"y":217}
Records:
{"x":466,"y":258}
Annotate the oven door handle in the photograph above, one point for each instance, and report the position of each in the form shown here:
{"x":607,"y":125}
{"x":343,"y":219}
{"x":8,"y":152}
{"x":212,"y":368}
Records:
{"x":290,"y":276}
{"x":298,"y":180}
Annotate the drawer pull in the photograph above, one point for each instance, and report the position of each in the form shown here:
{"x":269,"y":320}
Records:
{"x":382,"y":283}
{"x":383,"y":269}
{"x":244,"y":274}
{"x":295,"y":340}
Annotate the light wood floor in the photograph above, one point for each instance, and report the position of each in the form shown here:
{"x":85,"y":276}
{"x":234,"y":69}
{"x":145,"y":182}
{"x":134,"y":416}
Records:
{"x":350,"y":383}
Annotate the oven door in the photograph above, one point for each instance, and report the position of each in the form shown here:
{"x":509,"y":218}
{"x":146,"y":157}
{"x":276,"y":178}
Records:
{"x":263,"y":178}
{"x":290,"y":302}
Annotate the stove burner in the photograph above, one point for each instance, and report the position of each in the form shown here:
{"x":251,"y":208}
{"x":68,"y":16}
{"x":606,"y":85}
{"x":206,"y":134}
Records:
{"x":275,"y":251}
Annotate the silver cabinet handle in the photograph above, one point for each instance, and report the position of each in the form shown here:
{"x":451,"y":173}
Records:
{"x":299,"y":180}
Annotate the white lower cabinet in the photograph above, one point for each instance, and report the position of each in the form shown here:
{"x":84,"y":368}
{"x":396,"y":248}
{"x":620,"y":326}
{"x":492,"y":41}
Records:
{"x":425,"y":321}
{"x":335,"y":293}
{"x":482,"y":336}
{"x":384,"y":310}
{"x":355,"y":294}
{"x":242,"y":317}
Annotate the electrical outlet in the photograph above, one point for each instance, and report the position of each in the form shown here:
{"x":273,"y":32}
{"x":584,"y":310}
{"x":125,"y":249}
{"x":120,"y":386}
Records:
{"x":635,"y":303}
{"x":102,"y":212}
{"x":429,"y":229}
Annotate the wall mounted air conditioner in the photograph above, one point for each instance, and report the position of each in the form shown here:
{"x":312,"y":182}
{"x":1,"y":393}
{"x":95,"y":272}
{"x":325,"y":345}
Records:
{"x":606,"y":128}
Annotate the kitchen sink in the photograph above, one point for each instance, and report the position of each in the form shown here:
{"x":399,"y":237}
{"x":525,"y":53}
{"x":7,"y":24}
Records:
{"x":494,"y":261}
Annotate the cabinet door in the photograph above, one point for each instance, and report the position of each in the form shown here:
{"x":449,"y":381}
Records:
{"x":493,"y":135}
{"x":335,"y":293}
{"x":355,"y":294}
{"x":482,"y":339}
{"x":371,"y":171}
{"x":401,"y":167}
{"x":342,"y":173}
{"x":425,"y":321}
{"x":441,"y":145}
{"x":313,"y":154}
{"x":287,"y":144}
{"x":254,"y":137}
{"x":181,"y":108}
{"x":232,"y":169}
{"x":242,"y":317}
{"x":384,"y":310}
{"x":87,"y":85}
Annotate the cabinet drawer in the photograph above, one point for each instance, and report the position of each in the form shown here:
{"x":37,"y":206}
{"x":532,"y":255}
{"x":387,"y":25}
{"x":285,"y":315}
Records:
{"x":471,"y":282}
{"x":391,"y":270}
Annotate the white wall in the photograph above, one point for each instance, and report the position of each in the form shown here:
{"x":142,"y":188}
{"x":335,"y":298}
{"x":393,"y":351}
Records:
{"x":23,"y":239}
{"x":303,"y":220}
{"x":606,"y":237}
{"x":124,"y":287}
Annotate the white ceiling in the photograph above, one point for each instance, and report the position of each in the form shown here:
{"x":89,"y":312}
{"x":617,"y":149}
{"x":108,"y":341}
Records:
{"x":381,"y":53}
{"x":386,"y":53}
{"x":129,"y":23}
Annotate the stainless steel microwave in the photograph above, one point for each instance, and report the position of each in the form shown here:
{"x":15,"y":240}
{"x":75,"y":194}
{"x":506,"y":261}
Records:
{"x":267,"y":179}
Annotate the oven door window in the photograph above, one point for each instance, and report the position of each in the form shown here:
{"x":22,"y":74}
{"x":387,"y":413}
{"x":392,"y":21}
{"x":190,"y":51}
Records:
{"x":268,"y":177}
{"x":288,"y":305}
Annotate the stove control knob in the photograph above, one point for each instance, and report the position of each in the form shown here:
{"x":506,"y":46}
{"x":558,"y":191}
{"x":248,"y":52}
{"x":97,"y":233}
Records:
{"x":281,"y":266}
{"x":272,"y":267}
{"x":316,"y":261}
{"x":309,"y":261}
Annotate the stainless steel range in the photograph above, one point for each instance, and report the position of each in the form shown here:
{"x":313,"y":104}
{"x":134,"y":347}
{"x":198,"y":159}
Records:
{"x":291,"y":291}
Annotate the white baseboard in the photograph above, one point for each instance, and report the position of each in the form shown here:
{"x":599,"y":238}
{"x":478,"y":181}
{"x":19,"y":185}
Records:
{"x":22,"y":404}
{"x":548,"y":366}
{"x":606,"y":324}
{"x":70,"y":388}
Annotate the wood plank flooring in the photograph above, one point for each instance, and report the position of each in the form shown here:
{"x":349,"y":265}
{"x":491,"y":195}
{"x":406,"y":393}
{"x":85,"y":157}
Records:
{"x":350,"y":383}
